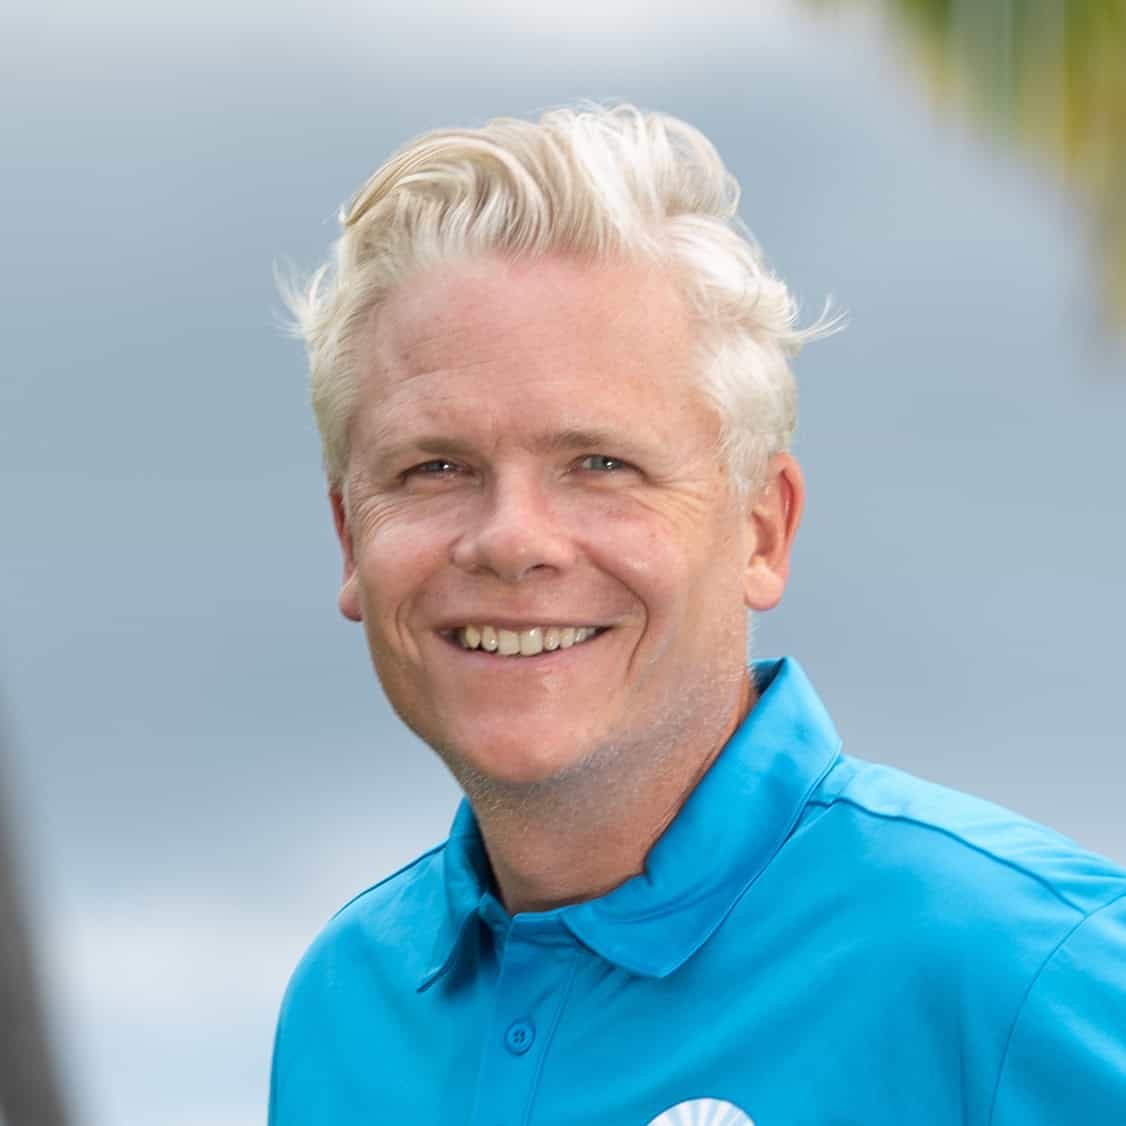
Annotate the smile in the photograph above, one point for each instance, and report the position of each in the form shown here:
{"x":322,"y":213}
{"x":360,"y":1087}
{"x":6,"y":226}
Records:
{"x":524,"y":642}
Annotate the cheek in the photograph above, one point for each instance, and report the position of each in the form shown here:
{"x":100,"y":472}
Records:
{"x":657,"y":572}
{"x":691,"y":588}
{"x":655,"y":553}
{"x":638,"y":552}
{"x":396,"y":556}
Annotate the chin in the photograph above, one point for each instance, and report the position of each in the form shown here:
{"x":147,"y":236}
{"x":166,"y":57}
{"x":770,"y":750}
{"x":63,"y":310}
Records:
{"x":511,"y":764}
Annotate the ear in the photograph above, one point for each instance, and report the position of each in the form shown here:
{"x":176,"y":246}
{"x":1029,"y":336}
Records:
{"x":773,"y":515}
{"x":349,"y":598}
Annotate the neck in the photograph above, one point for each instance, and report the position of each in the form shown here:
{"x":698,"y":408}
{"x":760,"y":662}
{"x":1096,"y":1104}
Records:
{"x":577,"y":838}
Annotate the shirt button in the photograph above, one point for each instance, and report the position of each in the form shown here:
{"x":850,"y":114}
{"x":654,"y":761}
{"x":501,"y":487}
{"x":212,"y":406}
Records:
{"x":519,"y":1037}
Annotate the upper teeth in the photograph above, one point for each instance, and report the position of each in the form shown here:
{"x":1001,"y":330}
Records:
{"x":524,"y":642}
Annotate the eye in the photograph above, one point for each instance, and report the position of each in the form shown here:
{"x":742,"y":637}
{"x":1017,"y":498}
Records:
{"x":437,"y":467}
{"x":603,"y":463}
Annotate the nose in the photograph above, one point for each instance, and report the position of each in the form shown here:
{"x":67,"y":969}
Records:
{"x":512,"y":531}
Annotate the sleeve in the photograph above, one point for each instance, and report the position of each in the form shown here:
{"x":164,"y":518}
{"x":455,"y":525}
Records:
{"x":1066,"y":1057}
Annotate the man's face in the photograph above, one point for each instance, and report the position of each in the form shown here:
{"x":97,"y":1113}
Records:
{"x":533,"y":466}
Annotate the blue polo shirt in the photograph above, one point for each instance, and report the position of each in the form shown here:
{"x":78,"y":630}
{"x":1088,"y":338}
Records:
{"x":815,"y":941}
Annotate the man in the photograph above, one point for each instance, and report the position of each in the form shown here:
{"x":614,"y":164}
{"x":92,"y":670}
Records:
{"x":551,"y":375}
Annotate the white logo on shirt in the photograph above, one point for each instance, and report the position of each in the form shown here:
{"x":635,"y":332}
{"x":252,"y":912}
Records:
{"x":702,"y":1112}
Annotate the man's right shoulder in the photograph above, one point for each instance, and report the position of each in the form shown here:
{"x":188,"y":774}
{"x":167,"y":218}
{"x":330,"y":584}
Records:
{"x":348,"y":988}
{"x":408,"y":887}
{"x":388,"y":930}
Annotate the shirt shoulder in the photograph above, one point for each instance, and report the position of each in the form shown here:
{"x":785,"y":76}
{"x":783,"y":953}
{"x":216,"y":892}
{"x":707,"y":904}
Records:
{"x":958,"y":840}
{"x":349,"y":985}
{"x":1017,"y":928}
{"x":1073,"y":1018}
{"x":387,"y":932}
{"x":411,"y":888}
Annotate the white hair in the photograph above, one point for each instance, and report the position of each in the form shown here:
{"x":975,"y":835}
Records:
{"x":592,"y":182}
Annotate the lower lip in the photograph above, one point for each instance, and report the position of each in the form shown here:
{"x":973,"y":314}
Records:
{"x":495,"y":660}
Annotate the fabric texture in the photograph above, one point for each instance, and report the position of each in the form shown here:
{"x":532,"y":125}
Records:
{"x":815,"y":941}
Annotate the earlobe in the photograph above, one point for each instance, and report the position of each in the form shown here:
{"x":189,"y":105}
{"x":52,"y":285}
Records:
{"x":772,"y":524}
{"x":349,"y":597}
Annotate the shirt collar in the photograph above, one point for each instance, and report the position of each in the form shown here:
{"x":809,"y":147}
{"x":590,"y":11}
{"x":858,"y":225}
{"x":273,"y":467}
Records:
{"x":724,"y":836}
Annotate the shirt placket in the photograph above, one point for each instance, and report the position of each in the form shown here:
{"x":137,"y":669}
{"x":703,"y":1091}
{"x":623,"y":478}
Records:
{"x":536,"y":965}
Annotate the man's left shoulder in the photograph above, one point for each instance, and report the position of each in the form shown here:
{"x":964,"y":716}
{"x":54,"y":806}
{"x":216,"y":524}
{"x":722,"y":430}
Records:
{"x":968,"y":859}
{"x":1018,"y":928}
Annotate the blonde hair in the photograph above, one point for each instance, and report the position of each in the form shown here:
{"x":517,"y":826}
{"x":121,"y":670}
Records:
{"x":592,"y":181}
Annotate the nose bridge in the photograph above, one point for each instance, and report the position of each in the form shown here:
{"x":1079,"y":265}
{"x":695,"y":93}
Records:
{"x":515,"y":527}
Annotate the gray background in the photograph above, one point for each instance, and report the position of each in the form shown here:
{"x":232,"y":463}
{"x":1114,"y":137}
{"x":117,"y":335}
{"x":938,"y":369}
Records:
{"x":202,"y":766}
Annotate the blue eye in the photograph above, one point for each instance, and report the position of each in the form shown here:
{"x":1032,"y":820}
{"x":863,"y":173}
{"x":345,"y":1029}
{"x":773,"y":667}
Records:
{"x":434,"y":471}
{"x":603,"y":463}
{"x":437,"y":467}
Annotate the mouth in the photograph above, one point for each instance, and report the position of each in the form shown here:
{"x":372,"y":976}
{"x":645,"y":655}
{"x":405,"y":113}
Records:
{"x":530,"y":642}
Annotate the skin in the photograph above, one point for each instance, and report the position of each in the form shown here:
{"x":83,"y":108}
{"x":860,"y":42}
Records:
{"x":529,"y":448}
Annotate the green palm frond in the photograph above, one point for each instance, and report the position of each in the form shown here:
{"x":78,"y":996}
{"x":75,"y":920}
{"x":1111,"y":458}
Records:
{"x":1047,"y":75}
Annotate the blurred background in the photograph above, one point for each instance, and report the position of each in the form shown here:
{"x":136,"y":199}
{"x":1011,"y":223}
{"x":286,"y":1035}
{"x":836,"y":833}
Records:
{"x":198,"y":766}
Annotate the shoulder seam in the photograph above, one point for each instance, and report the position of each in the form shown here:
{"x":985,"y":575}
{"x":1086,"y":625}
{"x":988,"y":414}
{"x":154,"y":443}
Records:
{"x":954,"y":836}
{"x":387,"y":879}
{"x":1032,"y":985}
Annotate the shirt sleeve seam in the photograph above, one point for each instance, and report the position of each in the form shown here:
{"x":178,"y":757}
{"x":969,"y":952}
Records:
{"x":1032,"y":985}
{"x":957,"y":838}
{"x":418,"y":860}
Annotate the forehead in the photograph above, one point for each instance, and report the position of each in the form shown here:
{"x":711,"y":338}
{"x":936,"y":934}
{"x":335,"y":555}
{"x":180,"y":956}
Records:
{"x":599,"y":343}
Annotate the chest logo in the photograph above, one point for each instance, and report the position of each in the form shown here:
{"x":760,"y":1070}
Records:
{"x":702,"y":1112}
